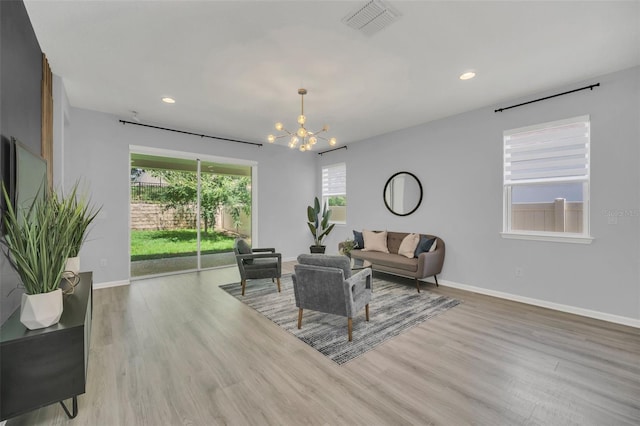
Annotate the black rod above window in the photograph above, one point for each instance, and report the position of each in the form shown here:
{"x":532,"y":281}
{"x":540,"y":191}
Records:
{"x":548,"y":97}
{"x":334,"y":149}
{"x":190,"y":133}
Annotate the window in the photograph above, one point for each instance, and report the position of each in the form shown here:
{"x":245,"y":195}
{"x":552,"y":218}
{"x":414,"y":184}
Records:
{"x":334,"y":191}
{"x":546,"y":181}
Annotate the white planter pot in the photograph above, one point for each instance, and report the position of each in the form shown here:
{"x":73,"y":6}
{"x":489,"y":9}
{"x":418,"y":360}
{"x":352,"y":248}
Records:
{"x":73,"y":265}
{"x":41,"y":310}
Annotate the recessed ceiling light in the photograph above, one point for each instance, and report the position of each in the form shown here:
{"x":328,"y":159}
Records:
{"x":168,"y":100}
{"x":467,"y":75}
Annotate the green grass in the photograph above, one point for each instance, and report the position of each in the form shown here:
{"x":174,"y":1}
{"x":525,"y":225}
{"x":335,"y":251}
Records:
{"x":175,"y":243}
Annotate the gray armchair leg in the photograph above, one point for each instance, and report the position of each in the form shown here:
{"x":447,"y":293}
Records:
{"x":244,"y":284}
{"x":366,"y":311}
{"x":418,"y":285}
{"x":278,"y":284}
{"x":436,"y":278}
{"x":350,"y":326}
{"x":299,"y":318}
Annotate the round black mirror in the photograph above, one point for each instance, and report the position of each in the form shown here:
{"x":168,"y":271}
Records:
{"x":403,"y":193}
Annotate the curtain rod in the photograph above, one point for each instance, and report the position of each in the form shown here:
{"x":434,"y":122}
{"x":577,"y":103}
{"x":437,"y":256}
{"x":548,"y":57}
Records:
{"x":190,"y":133}
{"x":549,"y":97}
{"x":334,"y":149}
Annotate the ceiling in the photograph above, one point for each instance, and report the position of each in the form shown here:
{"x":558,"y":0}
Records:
{"x":235,"y":67}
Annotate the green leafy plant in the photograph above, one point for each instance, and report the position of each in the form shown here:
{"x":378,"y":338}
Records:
{"x":347,"y":246}
{"x":39,"y":240}
{"x":319,"y":221}
{"x":37,"y":246}
{"x":75,"y":214}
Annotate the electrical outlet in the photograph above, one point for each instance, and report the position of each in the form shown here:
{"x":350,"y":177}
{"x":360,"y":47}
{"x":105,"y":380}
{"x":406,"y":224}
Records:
{"x":103,"y":262}
{"x":519,"y":272}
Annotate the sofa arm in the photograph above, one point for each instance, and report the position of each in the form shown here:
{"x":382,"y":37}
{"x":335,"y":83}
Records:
{"x":430,"y":263}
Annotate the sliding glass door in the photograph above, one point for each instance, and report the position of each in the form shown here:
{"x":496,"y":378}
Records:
{"x":185,"y":213}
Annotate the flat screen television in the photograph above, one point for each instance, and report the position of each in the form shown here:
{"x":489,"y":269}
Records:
{"x":24,"y":175}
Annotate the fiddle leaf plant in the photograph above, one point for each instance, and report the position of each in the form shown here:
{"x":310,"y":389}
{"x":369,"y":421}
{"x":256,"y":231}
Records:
{"x":318,"y":221}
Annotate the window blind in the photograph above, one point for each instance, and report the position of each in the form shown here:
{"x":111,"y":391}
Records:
{"x":551,"y":152}
{"x":334,"y":180}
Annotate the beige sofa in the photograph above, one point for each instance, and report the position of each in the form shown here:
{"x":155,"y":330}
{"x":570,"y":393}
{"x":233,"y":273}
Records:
{"x":425,"y":265}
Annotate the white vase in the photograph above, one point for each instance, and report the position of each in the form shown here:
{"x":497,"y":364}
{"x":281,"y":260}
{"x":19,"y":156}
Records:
{"x":73,"y":265}
{"x":41,"y":310}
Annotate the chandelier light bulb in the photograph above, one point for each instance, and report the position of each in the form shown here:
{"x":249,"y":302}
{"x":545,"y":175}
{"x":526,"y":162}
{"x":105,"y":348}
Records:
{"x":303,"y":148}
{"x":313,"y":140}
{"x":333,"y":141}
{"x":279,"y":126}
{"x":302,"y":132}
{"x":325,"y":128}
{"x":271,"y":138}
{"x":302,"y":119}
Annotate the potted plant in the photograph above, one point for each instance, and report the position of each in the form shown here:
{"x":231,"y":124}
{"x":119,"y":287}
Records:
{"x":76,"y":215}
{"x":346,"y":246}
{"x":38,"y":243}
{"x":319,"y":224}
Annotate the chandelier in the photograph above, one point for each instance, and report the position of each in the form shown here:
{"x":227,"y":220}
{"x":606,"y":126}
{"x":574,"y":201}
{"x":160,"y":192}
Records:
{"x":305,"y":138}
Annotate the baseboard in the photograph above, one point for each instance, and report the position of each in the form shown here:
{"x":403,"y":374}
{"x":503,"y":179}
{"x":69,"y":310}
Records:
{"x":632,"y":322}
{"x":110,"y":284}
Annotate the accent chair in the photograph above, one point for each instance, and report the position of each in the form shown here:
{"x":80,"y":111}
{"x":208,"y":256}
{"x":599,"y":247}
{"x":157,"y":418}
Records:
{"x":256,"y":263}
{"x":324,"y":283}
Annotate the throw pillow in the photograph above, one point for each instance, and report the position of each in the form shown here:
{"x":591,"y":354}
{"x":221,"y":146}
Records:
{"x":375,"y":241}
{"x":408,"y":245}
{"x":433,"y":246}
{"x":424,"y":245}
{"x":359,"y":240}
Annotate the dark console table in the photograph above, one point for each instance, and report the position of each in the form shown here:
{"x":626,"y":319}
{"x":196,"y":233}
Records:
{"x":49,"y":365}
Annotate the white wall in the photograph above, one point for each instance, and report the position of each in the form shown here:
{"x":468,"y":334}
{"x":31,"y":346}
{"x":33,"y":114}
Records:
{"x":96,"y":150}
{"x":459,"y":162}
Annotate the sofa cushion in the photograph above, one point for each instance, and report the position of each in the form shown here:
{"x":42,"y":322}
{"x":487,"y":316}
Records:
{"x":387,"y":259}
{"x":394,"y":239}
{"x":375,"y":241}
{"x":359,"y":240}
{"x":408,"y":245}
{"x":425,"y":244}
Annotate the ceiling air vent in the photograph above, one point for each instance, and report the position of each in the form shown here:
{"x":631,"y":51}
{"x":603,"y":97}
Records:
{"x":371,"y":17}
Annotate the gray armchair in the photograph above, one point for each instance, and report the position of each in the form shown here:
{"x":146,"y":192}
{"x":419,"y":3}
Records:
{"x":257,"y":262}
{"x":324,"y":283}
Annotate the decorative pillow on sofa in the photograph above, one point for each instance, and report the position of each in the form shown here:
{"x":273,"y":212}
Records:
{"x":433,"y":246}
{"x":425,"y":245}
{"x":408,"y":245}
{"x":375,"y":241}
{"x":358,"y":239}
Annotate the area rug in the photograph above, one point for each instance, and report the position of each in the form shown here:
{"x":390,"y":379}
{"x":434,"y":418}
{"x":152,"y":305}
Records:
{"x":395,"y":307}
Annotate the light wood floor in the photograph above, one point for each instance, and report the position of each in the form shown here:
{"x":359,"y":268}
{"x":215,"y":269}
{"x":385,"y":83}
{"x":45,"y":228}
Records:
{"x":178,"y":350}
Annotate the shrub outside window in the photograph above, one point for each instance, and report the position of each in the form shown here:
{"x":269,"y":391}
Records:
{"x":546,"y":181}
